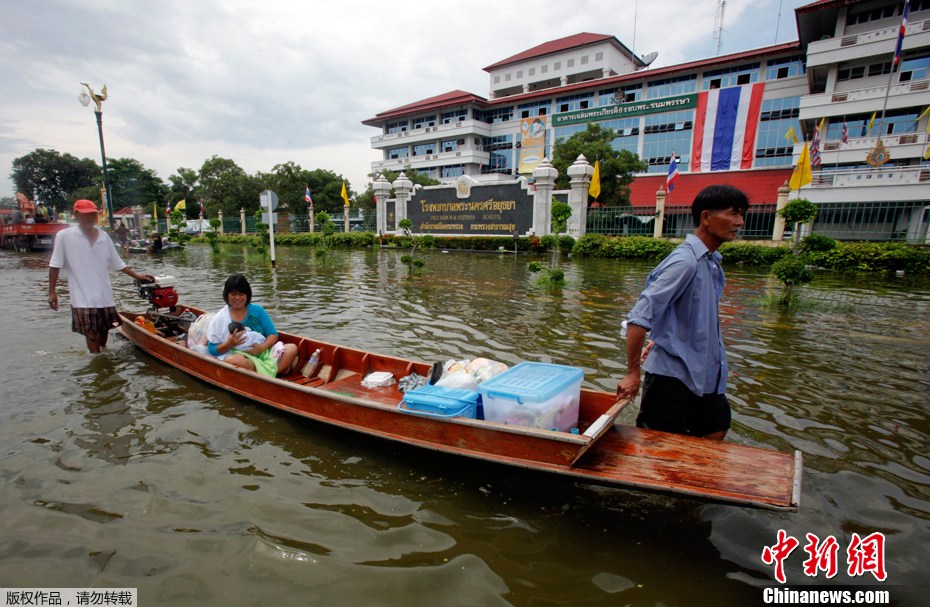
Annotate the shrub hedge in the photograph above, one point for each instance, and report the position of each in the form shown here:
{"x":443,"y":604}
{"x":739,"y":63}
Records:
{"x":816,"y":250}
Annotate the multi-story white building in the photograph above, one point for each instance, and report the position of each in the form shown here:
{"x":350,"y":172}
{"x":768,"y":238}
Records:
{"x":726,"y":117}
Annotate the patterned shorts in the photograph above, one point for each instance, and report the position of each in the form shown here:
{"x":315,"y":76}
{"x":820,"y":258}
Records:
{"x":94,"y":322}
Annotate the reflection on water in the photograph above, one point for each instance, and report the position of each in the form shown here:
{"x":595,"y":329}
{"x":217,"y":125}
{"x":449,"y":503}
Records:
{"x":119,"y":471}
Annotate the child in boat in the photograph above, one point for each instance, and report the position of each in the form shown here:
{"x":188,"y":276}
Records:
{"x":252,"y":338}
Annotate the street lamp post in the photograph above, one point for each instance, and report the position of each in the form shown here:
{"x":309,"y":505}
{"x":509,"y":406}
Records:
{"x":85,"y":99}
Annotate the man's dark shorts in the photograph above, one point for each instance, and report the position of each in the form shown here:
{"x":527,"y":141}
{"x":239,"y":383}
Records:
{"x":669,"y":405}
{"x":94,"y":322}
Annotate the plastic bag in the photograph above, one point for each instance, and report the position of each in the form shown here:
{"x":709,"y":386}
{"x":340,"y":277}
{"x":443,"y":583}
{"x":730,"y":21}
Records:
{"x":467,"y":374}
{"x":197,"y":333}
{"x":378,"y":379}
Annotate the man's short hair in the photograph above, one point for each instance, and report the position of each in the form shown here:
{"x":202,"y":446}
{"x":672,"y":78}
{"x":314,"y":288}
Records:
{"x":718,"y":198}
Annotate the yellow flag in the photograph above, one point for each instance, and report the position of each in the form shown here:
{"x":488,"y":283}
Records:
{"x":345,"y":195}
{"x":181,"y":205}
{"x":595,"y":188}
{"x":871,"y":122}
{"x":925,"y":113}
{"x":802,"y":172}
{"x":791,"y":136}
{"x":155,"y":212}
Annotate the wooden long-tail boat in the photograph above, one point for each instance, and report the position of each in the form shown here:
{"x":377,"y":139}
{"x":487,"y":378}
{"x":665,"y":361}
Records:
{"x":601,"y":453}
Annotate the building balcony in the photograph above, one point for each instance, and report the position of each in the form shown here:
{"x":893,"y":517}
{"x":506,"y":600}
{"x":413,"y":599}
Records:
{"x":900,"y":146}
{"x":466,"y":156}
{"x":860,"y":185}
{"x":865,"y":101}
{"x":430,"y":133}
{"x":867,"y":44}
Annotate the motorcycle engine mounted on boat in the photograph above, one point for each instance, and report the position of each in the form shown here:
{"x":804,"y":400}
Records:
{"x":162,"y":294}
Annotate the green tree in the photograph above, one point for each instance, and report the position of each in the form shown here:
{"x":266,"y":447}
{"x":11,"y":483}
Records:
{"x":184,"y":185}
{"x":366,"y":200}
{"x":53,"y":178}
{"x":225,"y":186}
{"x":561,"y":211}
{"x":289,"y":181}
{"x":616,"y":167}
{"x":133,"y":184}
{"x":796,"y":212}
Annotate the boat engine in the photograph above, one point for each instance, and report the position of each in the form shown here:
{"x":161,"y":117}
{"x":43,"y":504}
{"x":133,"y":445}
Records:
{"x":161,"y":293}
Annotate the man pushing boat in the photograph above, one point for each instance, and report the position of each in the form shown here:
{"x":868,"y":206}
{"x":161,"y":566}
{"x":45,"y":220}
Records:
{"x":686,"y":368}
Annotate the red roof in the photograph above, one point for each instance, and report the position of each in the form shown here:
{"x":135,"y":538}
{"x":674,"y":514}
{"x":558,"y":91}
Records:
{"x":554,"y":46}
{"x":123,"y":211}
{"x":822,"y":4}
{"x":452,"y":98}
{"x":641,"y":75}
{"x":760,"y":185}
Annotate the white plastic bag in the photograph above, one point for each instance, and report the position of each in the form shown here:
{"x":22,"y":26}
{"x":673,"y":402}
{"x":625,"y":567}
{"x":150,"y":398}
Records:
{"x":197,"y":333}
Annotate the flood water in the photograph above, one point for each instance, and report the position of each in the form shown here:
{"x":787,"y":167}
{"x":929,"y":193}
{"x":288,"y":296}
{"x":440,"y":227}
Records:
{"x":118,"y":471}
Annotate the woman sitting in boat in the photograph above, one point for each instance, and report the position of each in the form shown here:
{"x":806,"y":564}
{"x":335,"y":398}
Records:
{"x":233,"y":347}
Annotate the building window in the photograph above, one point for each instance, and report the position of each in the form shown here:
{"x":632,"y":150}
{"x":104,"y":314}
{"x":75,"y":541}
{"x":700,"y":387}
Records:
{"x":556,"y":66}
{"x":543,"y":69}
{"x":519,"y":74}
{"x":584,"y":60}
{"x":507,"y":77}
{"x":424,"y":148}
{"x":574,"y":102}
{"x":570,"y":63}
{"x":395,"y":153}
{"x":497,"y":79}
{"x":788,"y":67}
{"x":598,"y":56}
{"x":731,"y":76}
{"x":666,"y":134}
{"x":424,"y":121}
{"x":396,"y":127}
{"x":777,"y":116}
{"x":454,"y":116}
{"x":917,"y":68}
{"x":531,"y":71}
{"x":671,"y":86}
{"x":502,"y":114}
{"x":872,"y":14}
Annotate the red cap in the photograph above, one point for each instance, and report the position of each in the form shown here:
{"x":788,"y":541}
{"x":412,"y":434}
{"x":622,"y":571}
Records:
{"x":85,"y":206}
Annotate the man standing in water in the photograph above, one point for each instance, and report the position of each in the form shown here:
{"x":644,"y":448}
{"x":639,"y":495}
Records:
{"x":686,"y":365}
{"x":88,"y":254}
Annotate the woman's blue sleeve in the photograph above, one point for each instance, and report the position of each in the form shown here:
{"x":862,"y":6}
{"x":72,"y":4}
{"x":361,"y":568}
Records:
{"x":211,"y":348}
{"x":265,"y":320}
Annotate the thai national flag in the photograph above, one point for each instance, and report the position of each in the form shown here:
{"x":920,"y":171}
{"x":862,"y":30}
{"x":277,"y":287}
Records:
{"x":672,"y":174}
{"x":900,"y":45}
{"x":725,"y":126}
{"x":307,"y":196}
{"x":845,"y":136}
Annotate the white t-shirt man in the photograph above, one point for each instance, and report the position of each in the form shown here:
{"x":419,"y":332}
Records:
{"x":88,"y":266}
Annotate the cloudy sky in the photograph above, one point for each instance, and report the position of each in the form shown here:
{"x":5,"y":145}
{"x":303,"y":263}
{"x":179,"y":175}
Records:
{"x":272,"y":81}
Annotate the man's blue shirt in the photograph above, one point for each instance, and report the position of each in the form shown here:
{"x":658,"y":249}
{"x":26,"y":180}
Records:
{"x":680,"y":309}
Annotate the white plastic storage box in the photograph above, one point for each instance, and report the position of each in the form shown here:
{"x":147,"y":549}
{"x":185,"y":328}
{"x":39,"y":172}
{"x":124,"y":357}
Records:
{"x":536,"y":395}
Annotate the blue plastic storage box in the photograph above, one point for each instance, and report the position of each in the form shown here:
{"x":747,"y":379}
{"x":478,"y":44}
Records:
{"x":439,"y":401}
{"x":536,"y":395}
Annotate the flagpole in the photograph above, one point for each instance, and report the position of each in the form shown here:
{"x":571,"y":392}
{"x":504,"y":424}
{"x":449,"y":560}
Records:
{"x":891,"y":72}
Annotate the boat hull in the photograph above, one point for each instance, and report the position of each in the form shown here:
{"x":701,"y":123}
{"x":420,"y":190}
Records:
{"x":603,"y":453}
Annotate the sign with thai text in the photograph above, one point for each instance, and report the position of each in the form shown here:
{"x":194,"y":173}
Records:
{"x":496,"y":210}
{"x":626,"y":110}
